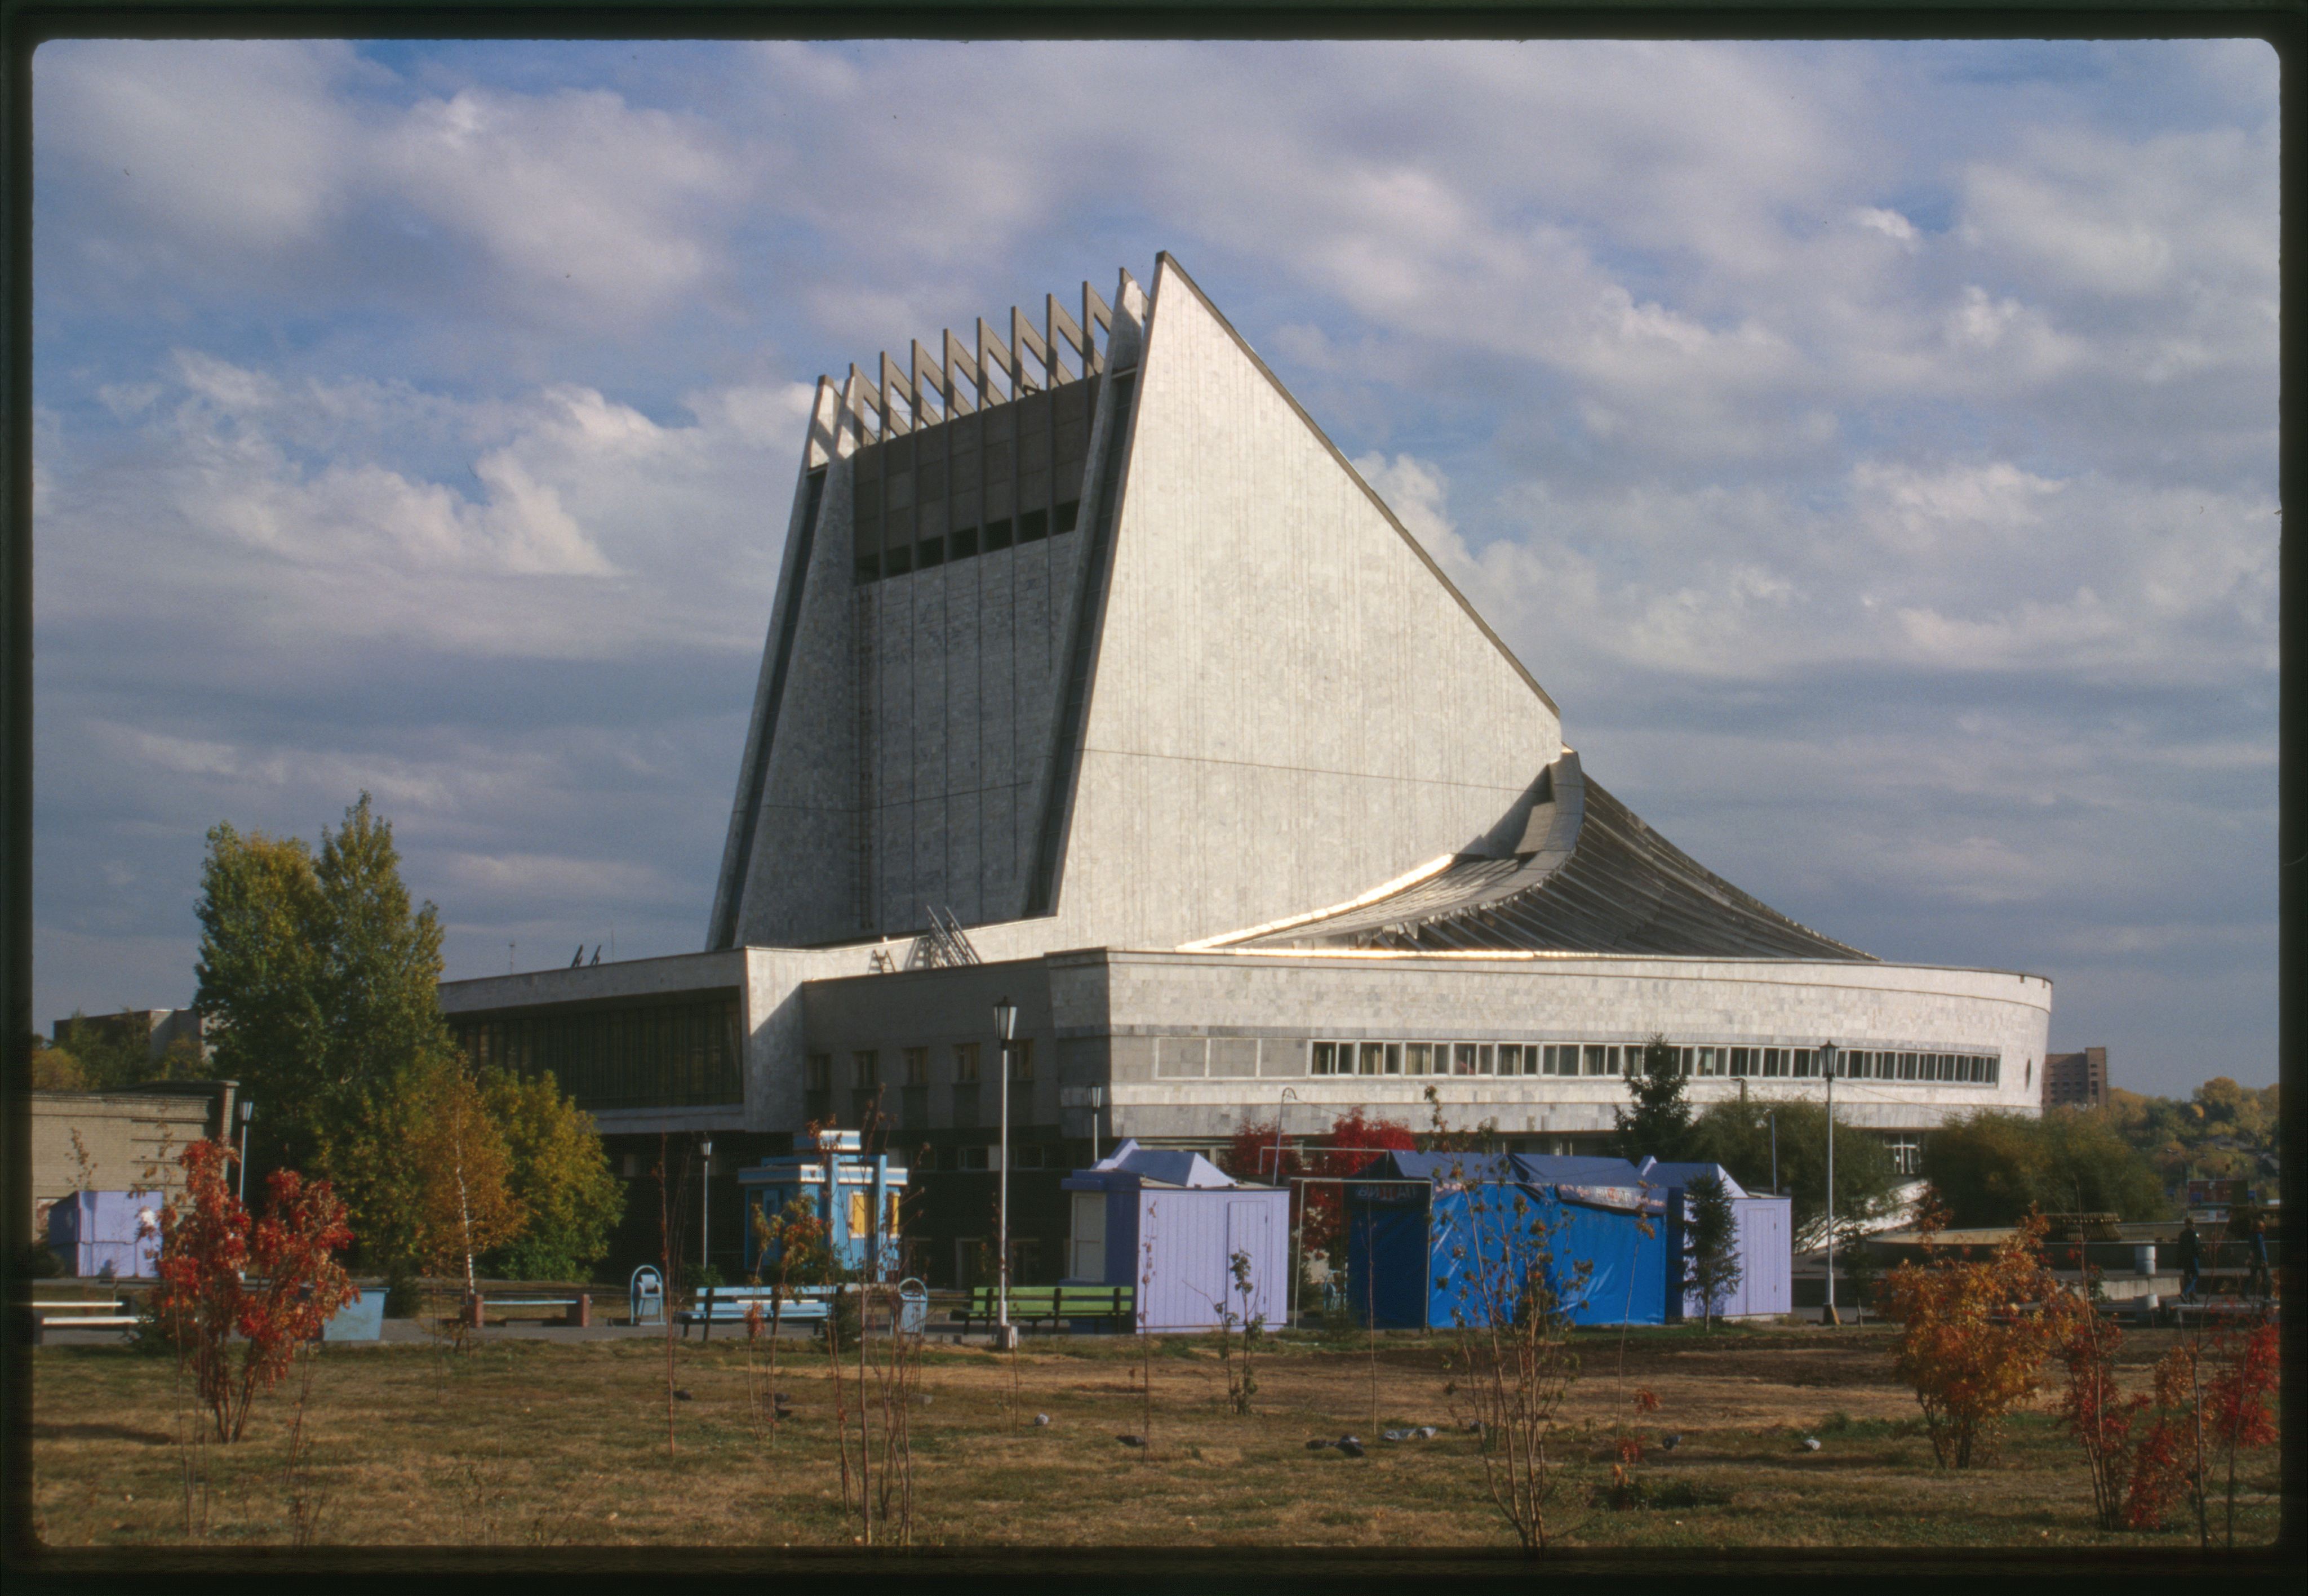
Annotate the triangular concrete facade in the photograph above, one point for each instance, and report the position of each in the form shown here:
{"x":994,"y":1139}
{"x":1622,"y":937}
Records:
{"x":1289,"y":702}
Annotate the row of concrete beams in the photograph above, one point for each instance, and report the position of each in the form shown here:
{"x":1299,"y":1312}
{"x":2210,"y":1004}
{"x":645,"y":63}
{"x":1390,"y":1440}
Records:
{"x":961,"y":378}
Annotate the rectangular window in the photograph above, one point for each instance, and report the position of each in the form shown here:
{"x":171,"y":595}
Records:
{"x":1906,"y":1154}
{"x":1486,"y":1059}
{"x":1088,"y":1237}
{"x":1775,"y":1062}
{"x":865,"y":1069}
{"x":869,"y":568}
{"x":1806,"y":1062}
{"x":1462,"y":1057}
{"x":929,"y":551}
{"x":899,"y":560}
{"x":1374,"y":1058}
{"x":1710,"y":1060}
{"x":1022,"y":1058}
{"x":1418,"y":1057}
{"x":964,"y":543}
{"x":1743,"y":1061}
{"x":997,"y":534}
{"x":1033,"y":525}
{"x":918,"y":1067}
{"x":817,"y":1072}
{"x":1994,"y":1069}
{"x":975,"y":1158}
{"x":1069,"y":516}
{"x":1325,"y":1058}
{"x":1907,"y":1067}
{"x":1510,"y":1058}
{"x":1394,"y":1058}
{"x":965,"y":1063}
{"x":861,"y":1210}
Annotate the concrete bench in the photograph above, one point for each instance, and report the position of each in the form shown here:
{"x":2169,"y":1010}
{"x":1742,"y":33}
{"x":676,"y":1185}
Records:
{"x":577,"y":1310}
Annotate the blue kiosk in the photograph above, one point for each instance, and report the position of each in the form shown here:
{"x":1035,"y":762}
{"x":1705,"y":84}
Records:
{"x":857,"y":1196}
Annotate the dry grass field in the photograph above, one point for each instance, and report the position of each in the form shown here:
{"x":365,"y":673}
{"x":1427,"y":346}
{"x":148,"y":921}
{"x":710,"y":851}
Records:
{"x":538,"y":1443}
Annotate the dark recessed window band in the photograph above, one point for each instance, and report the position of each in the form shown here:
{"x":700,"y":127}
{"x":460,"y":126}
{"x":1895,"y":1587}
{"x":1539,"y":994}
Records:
{"x":1032,"y":527}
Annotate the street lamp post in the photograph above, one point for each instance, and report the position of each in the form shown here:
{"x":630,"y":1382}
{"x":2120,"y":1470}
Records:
{"x":1774,"y":1115}
{"x":1005,"y":1026}
{"x":1289,"y":1286}
{"x":704,"y":1202}
{"x":247,"y":1111}
{"x":1827,"y":1062}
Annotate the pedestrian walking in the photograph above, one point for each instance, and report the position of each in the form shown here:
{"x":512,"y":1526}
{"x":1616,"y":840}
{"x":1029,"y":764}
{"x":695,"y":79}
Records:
{"x":2261,"y":1286}
{"x":2189,"y":1253}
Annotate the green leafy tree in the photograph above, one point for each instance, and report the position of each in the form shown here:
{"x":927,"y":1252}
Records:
{"x":1992,"y":1168}
{"x":56,"y":1070}
{"x":1713,"y":1269}
{"x":1739,"y":1136}
{"x":560,"y":1174}
{"x":111,"y":1050}
{"x":321,"y":978}
{"x":259,"y":909}
{"x":1659,"y":1124}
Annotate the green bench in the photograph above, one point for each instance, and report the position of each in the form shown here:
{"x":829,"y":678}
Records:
{"x":1029,"y":1305}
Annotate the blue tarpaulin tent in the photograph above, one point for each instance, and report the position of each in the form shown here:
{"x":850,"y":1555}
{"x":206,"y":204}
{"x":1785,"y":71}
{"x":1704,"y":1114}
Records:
{"x":1418,"y":1256}
{"x":1412,"y":1250}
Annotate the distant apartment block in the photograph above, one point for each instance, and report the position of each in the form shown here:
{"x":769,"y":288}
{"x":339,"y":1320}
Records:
{"x":2080,"y":1079}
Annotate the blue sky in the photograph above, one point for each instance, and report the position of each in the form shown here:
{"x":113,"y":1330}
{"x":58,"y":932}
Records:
{"x":1872,"y":447}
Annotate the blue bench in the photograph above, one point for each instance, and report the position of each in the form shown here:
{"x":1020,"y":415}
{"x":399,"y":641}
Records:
{"x":730,"y":1305}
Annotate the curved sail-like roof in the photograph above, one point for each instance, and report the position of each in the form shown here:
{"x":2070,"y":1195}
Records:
{"x":1570,"y":869}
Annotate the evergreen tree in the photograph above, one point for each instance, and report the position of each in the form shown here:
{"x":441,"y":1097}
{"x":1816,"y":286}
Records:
{"x":1712,"y":1267}
{"x":1659,"y":1127}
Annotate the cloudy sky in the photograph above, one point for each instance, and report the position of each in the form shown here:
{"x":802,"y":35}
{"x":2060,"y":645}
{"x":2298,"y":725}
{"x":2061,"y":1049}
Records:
{"x":1871,"y":446}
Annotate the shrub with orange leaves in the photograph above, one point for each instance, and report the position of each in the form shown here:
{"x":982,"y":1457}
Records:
{"x":1973,"y":1335}
{"x":208,"y":1251}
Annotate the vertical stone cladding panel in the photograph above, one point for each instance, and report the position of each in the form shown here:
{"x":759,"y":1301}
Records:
{"x":1291,"y":704}
{"x":1032,"y":731}
{"x":802,"y":864}
{"x":998,"y":734}
{"x":965,"y":821}
{"x":932,"y":786}
{"x":894,"y":902}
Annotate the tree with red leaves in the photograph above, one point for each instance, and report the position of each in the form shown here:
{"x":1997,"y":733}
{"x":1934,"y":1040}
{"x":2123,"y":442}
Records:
{"x":1352,"y":1144}
{"x":2098,"y":1414}
{"x":208,"y":1252}
{"x":2247,"y":1366}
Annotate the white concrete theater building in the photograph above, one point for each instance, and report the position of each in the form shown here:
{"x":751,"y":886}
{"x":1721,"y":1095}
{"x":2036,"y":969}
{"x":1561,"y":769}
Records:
{"x":1099,"y":680}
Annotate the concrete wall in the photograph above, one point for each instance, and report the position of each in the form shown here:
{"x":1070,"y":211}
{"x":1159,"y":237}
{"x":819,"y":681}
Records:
{"x":132,"y":1139}
{"x":1256,"y":1013}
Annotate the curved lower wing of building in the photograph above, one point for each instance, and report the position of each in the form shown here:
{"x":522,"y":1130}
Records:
{"x":1582,"y":873}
